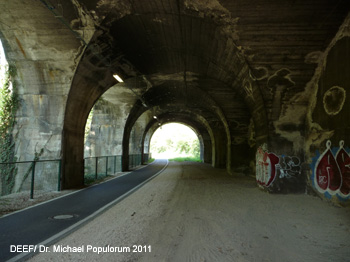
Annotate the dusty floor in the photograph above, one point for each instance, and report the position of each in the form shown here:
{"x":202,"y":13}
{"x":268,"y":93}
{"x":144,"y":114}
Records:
{"x":192,"y":212}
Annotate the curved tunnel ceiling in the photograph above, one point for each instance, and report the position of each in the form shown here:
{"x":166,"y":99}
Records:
{"x":183,"y":68}
{"x":216,"y":48}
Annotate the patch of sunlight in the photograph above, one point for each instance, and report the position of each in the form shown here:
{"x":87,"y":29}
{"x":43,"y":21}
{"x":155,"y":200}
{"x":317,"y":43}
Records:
{"x":174,"y":140}
{"x":3,"y":65}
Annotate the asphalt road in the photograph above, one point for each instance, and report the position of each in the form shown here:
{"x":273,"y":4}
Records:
{"x":36,"y":227}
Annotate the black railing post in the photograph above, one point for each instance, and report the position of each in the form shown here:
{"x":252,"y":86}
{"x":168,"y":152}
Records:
{"x":115,"y":164}
{"x":106,"y":165}
{"x":32,"y":183}
{"x":59,"y":175}
{"x":121,"y":163}
{"x":96,"y":167}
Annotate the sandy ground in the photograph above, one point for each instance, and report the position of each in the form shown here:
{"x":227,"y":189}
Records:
{"x":192,"y":212}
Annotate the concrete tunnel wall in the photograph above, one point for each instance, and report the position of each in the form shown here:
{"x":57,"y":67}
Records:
{"x":280,"y":114}
{"x":327,"y":143}
{"x":73,"y":129}
{"x":221,"y":149}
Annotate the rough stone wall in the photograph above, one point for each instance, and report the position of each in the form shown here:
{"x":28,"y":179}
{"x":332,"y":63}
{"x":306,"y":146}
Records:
{"x":311,"y":149}
{"x":279,"y":161}
{"x":135,"y":144}
{"x":106,"y":132}
{"x":45,"y":56}
{"x":108,"y":122}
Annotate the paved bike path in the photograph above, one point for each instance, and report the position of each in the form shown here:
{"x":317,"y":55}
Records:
{"x":34,"y":226}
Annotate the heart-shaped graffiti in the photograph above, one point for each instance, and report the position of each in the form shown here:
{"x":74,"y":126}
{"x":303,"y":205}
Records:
{"x":265,"y":167}
{"x":343,"y":160}
{"x":327,"y":174}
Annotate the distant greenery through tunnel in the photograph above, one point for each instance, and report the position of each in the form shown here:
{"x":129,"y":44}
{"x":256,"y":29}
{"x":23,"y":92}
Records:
{"x":175,"y":142}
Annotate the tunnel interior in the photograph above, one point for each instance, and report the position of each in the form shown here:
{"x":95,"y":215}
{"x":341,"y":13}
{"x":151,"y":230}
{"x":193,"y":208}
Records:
{"x":175,"y":74}
{"x":262,"y":83}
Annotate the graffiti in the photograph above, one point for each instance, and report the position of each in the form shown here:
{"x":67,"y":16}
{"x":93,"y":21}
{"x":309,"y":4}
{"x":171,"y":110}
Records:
{"x":288,"y":167}
{"x":265,"y":167}
{"x":258,"y":73}
{"x":279,"y":83}
{"x":282,"y":77}
{"x":343,"y":160}
{"x":313,"y":57}
{"x":248,"y":88}
{"x":333,"y":100}
{"x":269,"y":166}
{"x":332,"y":171}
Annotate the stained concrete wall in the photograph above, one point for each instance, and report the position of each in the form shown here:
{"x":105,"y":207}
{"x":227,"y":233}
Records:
{"x":135,"y":143}
{"x":42,"y":85}
{"x":308,"y":148}
{"x":45,"y":55}
{"x":108,"y":124}
{"x":106,"y":131}
{"x":328,"y":141}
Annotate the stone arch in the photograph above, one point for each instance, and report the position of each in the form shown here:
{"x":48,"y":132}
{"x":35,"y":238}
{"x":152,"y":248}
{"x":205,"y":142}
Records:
{"x":111,"y":51}
{"x":188,"y":124}
{"x":173,"y":102}
{"x":193,"y":121}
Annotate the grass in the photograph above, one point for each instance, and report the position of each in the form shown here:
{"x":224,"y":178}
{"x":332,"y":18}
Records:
{"x":183,"y":159}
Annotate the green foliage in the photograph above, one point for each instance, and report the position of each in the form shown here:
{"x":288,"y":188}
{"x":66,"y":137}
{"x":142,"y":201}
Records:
{"x":175,"y":138}
{"x":183,"y":147}
{"x":183,"y":159}
{"x":8,"y":108}
{"x":190,"y":147}
{"x":195,"y":149}
{"x":8,"y":104}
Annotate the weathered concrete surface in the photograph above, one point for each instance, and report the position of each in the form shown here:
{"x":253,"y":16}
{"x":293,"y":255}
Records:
{"x":327,"y":144}
{"x":108,"y":122}
{"x":45,"y":54}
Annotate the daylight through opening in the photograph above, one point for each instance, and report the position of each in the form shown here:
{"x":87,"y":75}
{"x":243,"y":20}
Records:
{"x":175,"y":140}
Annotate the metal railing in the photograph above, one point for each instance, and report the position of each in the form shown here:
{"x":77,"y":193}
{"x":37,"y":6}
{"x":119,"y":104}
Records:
{"x":134,"y":160}
{"x":99,"y":167}
{"x":146,"y":157}
{"x":28,"y":168}
{"x":44,"y":178}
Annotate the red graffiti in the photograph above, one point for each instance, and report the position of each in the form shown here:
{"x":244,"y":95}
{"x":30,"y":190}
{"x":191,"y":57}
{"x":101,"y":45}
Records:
{"x":265,"y":167}
{"x":332,"y":174}
{"x":343,"y":160}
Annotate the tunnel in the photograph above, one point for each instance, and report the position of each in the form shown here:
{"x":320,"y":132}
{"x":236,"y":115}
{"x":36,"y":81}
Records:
{"x":262,"y":83}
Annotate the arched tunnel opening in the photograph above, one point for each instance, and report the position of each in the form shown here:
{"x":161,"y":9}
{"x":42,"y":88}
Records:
{"x":175,"y":140}
{"x":229,"y":108}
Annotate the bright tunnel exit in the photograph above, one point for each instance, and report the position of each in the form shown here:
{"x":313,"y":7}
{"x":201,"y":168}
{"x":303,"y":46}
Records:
{"x":175,"y":140}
